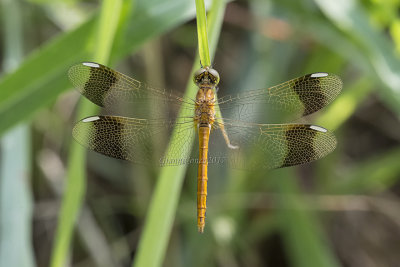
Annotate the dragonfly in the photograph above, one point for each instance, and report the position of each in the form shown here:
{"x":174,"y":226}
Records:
{"x":229,"y":129}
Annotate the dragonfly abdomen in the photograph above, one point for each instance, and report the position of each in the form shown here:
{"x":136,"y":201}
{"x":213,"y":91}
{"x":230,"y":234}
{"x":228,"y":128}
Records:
{"x":204,"y":134}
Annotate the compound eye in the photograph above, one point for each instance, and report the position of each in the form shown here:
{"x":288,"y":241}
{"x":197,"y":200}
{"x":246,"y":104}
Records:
{"x":197,"y":75}
{"x":214,"y":75}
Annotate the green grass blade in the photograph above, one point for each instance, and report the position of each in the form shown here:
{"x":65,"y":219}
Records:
{"x":76,"y":178}
{"x":351,"y":17}
{"x":162,"y":209}
{"x":42,"y":76}
{"x":15,"y":171}
{"x":215,"y":18}
{"x":304,"y":240}
{"x":109,"y":18}
{"x":16,"y":200}
{"x":373,"y":176}
{"x":202,"y":33}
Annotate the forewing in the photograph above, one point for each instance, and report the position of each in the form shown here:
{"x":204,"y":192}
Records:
{"x":111,"y":89}
{"x":273,"y":146}
{"x":136,"y":140}
{"x":295,"y":98}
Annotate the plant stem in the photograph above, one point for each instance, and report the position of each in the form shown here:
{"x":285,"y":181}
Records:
{"x":202,"y":33}
{"x":76,"y":178}
{"x":162,"y":209}
{"x":15,"y":147}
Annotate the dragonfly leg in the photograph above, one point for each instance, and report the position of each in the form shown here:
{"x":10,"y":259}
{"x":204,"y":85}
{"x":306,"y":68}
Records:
{"x":226,"y":137}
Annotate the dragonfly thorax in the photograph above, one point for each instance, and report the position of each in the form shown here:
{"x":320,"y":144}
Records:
{"x":205,"y":100}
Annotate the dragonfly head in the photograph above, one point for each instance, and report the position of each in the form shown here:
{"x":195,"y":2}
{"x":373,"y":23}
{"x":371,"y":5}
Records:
{"x":206,"y":75}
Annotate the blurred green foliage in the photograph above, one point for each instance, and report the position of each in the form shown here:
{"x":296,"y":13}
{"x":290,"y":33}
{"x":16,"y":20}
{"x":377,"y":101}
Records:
{"x":341,"y":210}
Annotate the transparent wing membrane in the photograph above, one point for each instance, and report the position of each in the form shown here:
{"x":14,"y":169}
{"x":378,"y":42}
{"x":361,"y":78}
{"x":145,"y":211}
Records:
{"x":136,"y":140}
{"x":113,"y":90}
{"x":257,"y":145}
{"x":272,"y":146}
{"x":295,"y":98}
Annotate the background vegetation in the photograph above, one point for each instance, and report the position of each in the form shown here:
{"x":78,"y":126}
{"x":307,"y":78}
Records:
{"x":59,"y":208}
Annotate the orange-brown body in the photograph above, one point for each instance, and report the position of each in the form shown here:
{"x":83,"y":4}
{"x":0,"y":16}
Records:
{"x":204,"y":119}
